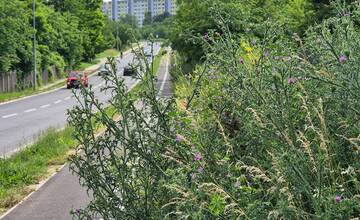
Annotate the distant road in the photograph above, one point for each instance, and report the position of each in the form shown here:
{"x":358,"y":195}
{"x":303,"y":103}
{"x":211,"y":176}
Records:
{"x":22,"y":121}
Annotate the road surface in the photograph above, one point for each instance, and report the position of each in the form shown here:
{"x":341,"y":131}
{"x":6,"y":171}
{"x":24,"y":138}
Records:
{"x":21,"y":122}
{"x":62,"y":193}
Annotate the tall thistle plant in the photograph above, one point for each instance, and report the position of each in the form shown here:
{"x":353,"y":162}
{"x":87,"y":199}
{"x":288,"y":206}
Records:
{"x":267,"y":128}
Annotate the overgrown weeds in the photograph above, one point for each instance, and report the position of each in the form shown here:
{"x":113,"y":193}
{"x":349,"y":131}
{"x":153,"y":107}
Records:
{"x":266,"y":128}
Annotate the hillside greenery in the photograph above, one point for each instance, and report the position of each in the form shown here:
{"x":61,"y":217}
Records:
{"x":196,"y":18}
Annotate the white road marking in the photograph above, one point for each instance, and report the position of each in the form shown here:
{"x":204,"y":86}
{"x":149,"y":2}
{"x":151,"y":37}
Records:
{"x":67,"y":98}
{"x":57,"y":102}
{"x":9,"y":116}
{"x":45,"y":106}
{"x":30,"y":110}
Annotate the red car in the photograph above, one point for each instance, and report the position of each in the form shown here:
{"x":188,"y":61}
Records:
{"x":75,"y":79}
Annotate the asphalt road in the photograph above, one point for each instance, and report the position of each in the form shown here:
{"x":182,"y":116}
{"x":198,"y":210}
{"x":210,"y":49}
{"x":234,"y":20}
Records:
{"x":57,"y":197}
{"x":21,"y":122}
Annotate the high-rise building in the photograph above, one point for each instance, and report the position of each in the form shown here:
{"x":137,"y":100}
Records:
{"x":138,"y":8}
{"x":107,"y":9}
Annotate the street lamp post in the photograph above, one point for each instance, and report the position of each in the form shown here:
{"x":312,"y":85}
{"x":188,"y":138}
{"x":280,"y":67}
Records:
{"x":34,"y":44}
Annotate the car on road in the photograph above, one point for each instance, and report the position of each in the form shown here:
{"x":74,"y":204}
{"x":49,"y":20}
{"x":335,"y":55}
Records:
{"x":130,"y":71}
{"x":105,"y":69}
{"x":75,"y":79}
{"x":148,"y":53}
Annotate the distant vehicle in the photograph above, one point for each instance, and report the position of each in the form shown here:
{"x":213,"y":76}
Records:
{"x":75,"y":79}
{"x":129,"y":71}
{"x":148,"y":53}
{"x":104,"y":69}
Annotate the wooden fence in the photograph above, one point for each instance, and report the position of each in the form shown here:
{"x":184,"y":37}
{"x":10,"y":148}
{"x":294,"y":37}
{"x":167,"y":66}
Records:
{"x":9,"y":82}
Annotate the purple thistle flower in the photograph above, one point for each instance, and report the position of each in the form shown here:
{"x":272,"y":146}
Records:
{"x":197,"y":157}
{"x":337,"y":199}
{"x":179,"y":138}
{"x":206,"y":35}
{"x":77,"y":210}
{"x":241,"y":61}
{"x":201,"y":170}
{"x":342,"y":58}
{"x":292,"y":81}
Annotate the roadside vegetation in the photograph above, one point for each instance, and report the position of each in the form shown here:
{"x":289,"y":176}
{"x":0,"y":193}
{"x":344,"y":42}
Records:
{"x":137,"y":90}
{"x":264,"y":123}
{"x":21,"y":172}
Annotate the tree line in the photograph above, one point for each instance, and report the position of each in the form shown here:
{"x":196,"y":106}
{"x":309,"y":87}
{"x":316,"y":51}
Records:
{"x":67,"y":32}
{"x":195,"y":17}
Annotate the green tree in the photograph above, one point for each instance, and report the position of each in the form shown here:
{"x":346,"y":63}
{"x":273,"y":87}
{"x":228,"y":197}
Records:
{"x":91,"y":26}
{"x":15,"y":32}
{"x":148,"y":18}
{"x":129,"y":20}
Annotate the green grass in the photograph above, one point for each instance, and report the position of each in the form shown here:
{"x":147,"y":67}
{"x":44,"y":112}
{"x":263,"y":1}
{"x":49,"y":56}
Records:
{"x":15,"y":95}
{"x":30,"y":165}
{"x":106,"y":53}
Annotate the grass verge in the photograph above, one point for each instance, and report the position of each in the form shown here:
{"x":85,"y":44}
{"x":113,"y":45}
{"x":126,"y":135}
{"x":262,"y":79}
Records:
{"x":28,"y":167}
{"x":106,"y":53}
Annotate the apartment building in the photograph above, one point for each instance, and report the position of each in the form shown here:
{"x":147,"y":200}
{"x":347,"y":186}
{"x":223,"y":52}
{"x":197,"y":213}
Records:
{"x":107,"y":9}
{"x":138,"y":8}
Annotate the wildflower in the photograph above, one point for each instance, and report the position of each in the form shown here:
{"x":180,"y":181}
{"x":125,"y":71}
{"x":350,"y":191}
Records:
{"x":179,"y":138}
{"x":241,"y":61}
{"x":77,"y":210}
{"x":342,"y":58}
{"x":292,"y":81}
{"x":201,"y":170}
{"x":206,"y":36}
{"x":197,"y":157}
{"x":338,"y":199}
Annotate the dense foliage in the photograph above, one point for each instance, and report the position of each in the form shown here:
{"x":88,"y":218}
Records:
{"x":267,"y":127}
{"x":196,"y":17}
{"x":160,"y":26}
{"x":67,"y":33}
